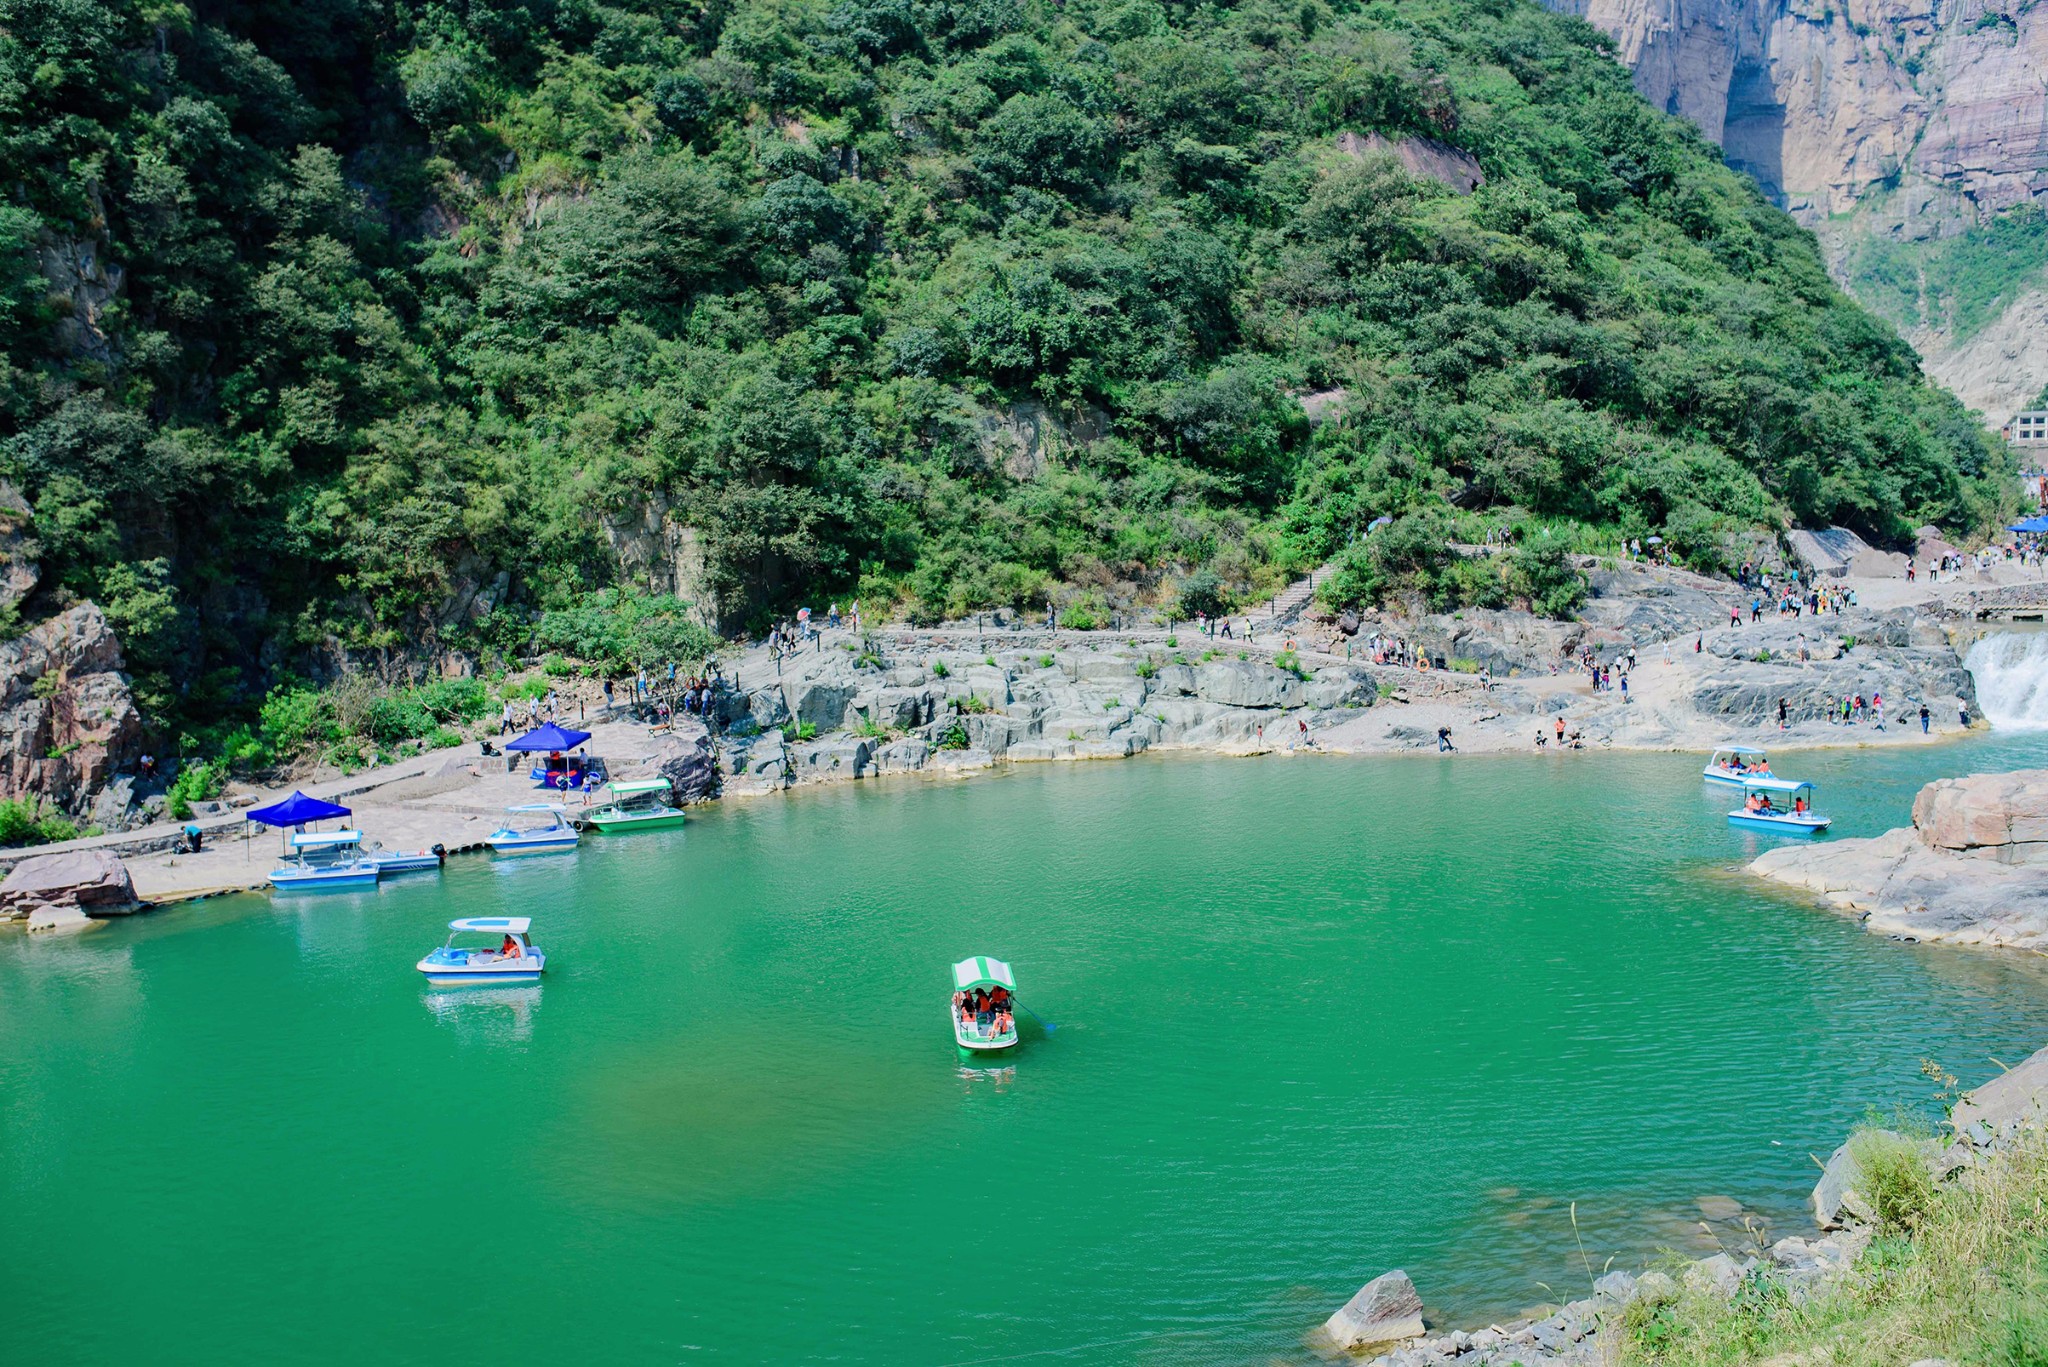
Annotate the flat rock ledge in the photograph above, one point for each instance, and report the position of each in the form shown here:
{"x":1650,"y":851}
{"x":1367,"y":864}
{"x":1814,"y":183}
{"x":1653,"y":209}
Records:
{"x":1972,"y":869}
{"x":1587,"y":1332}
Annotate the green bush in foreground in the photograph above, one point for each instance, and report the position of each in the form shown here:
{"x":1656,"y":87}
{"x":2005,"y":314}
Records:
{"x":24,"y":822}
{"x":1958,"y":1271}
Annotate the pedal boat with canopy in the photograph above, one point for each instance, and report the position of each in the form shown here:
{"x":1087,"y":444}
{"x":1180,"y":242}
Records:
{"x":978,"y":1039}
{"x":1786,"y":808}
{"x":633,"y":805}
{"x":557,"y":835}
{"x":1736,"y":765}
{"x":513,"y":959}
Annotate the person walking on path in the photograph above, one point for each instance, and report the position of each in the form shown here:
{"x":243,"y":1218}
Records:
{"x":1877,"y":709}
{"x":1924,"y":716}
{"x":1624,"y":688}
{"x":505,"y":718}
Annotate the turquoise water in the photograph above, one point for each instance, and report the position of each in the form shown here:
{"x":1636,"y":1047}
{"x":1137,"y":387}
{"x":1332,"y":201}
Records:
{"x":1316,"y":1018}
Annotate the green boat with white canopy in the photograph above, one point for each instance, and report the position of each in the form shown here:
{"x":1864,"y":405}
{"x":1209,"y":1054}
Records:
{"x":633,"y":805}
{"x":984,"y":1009}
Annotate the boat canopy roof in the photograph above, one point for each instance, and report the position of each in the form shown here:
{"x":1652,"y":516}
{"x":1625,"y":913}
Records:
{"x":982,"y":972}
{"x":537,"y":807}
{"x":1763,"y":784}
{"x":640,"y":785}
{"x":325,"y":840}
{"x":1738,"y":750}
{"x":510,"y":925}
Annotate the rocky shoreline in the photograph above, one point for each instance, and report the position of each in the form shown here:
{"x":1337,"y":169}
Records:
{"x":1383,"y":1322}
{"x":1972,"y":869}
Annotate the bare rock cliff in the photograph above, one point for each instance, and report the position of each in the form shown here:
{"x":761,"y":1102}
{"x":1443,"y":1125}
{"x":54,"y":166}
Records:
{"x":1889,"y":120}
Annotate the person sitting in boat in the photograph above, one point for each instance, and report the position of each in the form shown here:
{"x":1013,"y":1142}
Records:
{"x":1799,"y":805}
{"x":510,"y":949}
{"x":1003,"y":1024}
{"x":999,"y":999}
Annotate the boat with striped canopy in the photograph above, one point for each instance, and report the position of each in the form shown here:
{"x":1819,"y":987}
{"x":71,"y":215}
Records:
{"x":984,"y":1027}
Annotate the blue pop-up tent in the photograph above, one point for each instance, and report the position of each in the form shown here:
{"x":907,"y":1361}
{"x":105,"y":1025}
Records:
{"x":548,"y":738}
{"x":296,"y":810}
{"x":2035,"y":525}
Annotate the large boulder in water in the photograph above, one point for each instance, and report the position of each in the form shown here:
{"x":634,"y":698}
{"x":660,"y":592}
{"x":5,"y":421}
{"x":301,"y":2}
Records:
{"x":91,"y":881}
{"x":1387,"y":1310}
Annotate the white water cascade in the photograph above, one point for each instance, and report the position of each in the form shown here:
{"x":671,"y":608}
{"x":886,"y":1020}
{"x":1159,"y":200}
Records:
{"x":2011,"y":670}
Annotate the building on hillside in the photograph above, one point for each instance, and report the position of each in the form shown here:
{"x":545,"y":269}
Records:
{"x":2027,"y":429}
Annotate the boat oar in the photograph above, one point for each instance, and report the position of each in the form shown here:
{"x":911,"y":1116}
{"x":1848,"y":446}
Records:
{"x":1044,"y":1024}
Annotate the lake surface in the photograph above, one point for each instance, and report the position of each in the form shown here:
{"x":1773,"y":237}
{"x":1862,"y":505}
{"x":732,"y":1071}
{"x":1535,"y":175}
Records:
{"x":1316,"y":1018}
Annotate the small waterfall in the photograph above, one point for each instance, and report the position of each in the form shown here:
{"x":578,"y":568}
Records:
{"x":2011,"y":670}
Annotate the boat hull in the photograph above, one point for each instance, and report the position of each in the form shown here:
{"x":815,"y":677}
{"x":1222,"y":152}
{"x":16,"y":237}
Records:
{"x":975,"y":1049}
{"x":619,"y":825}
{"x":406,"y":863}
{"x":324,"y":881}
{"x":1780,"y":825}
{"x":554,"y":845}
{"x":482,"y":970}
{"x":1715,"y":776}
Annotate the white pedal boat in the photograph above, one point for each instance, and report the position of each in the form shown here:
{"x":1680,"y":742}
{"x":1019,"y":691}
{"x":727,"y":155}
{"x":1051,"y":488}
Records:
{"x":513,"y":959}
{"x":557,"y":835}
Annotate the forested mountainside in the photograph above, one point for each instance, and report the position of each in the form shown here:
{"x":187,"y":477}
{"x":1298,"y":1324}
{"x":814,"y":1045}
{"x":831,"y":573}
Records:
{"x":380,"y":323}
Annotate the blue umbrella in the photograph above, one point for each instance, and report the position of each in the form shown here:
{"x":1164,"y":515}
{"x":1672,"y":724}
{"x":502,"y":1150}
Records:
{"x":296,"y":810}
{"x":549,"y":737}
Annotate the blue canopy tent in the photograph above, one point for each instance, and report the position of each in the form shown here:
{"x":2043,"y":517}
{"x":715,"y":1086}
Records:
{"x":296,"y":810}
{"x":548,"y":738}
{"x":2035,"y":525}
{"x":551,"y":739}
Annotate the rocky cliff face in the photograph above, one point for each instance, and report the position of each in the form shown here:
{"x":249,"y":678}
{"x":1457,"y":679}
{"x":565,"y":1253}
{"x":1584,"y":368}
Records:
{"x":1876,"y":121}
{"x":67,"y":721}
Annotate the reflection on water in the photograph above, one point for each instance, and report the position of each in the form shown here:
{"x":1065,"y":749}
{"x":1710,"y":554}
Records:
{"x":487,"y":1015}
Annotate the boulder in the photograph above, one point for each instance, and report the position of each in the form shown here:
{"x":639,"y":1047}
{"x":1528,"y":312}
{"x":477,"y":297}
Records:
{"x":45,"y":920}
{"x":1387,"y":1310}
{"x":683,"y":757}
{"x":1836,"y":1202}
{"x":1999,"y":1106}
{"x":768,"y":707}
{"x":2002,"y":817}
{"x":907,"y":753}
{"x":821,"y":702}
{"x":1242,"y":683}
{"x":843,"y":758}
{"x":93,"y":882}
{"x":1342,"y":686}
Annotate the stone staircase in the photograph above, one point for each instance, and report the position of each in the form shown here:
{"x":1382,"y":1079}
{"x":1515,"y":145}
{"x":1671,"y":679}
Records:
{"x":1292,"y":601}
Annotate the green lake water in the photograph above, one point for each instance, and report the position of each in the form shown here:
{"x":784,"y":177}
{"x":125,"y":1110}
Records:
{"x":1316,"y":1019}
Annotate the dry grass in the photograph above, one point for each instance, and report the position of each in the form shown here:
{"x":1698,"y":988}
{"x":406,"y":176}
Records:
{"x":1957,"y":1272}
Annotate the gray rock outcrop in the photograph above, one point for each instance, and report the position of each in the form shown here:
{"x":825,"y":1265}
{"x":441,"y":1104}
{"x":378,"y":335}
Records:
{"x":93,"y":882}
{"x":1386,"y":1310}
{"x":683,"y":757}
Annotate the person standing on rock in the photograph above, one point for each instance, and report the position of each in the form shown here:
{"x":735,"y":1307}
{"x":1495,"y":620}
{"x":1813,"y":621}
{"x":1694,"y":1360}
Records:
{"x":505,"y":718}
{"x":1443,"y":740}
{"x":1781,"y":714}
{"x":1925,"y":716}
{"x":1560,"y":730}
{"x":1877,"y":709}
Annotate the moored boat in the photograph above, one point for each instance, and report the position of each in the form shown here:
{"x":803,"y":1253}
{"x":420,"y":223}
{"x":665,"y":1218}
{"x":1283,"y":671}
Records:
{"x":1761,"y":809}
{"x":555,"y":836}
{"x":634,"y":805}
{"x":514,"y":959}
{"x":317,"y":861}
{"x":405,"y":861}
{"x":1737,"y":765}
{"x":984,"y":1009}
